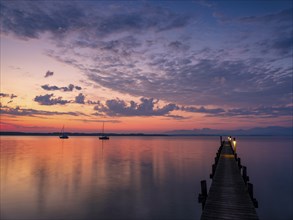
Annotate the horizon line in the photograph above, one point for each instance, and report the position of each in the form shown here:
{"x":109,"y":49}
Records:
{"x":20,"y":133}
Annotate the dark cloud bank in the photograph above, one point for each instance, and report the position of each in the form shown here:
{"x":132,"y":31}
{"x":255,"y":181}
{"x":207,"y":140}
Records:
{"x":149,"y":107}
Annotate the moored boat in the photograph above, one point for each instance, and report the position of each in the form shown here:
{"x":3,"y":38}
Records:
{"x":63,"y":135}
{"x":103,"y":136}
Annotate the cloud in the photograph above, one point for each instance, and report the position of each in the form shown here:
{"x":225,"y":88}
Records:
{"x":11,"y":96}
{"x":203,"y":110}
{"x":62,"y":17}
{"x":49,"y":73}
{"x":278,"y":17}
{"x":277,"y":32}
{"x":205,"y":3}
{"x":17,"y":111}
{"x":257,"y":112}
{"x":177,"y":117}
{"x":23,"y":127}
{"x":281,"y":46}
{"x":4,"y":95}
{"x":50,"y":88}
{"x":150,"y":107}
{"x":69,"y":88}
{"x":275,"y":18}
{"x":96,"y":120}
{"x":80,"y":99}
{"x":146,"y":107}
{"x":48,"y":100}
{"x":55,"y":17}
{"x":93,"y":102}
{"x":98,"y":114}
{"x":202,"y":81}
{"x":191,"y":77}
{"x":178,"y":46}
{"x":221,"y":17}
{"x":130,"y":50}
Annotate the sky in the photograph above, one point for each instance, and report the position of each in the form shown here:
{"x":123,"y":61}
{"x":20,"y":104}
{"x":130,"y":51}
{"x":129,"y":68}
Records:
{"x":145,"y":66}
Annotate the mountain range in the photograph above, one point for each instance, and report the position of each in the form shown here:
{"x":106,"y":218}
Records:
{"x":271,"y":130}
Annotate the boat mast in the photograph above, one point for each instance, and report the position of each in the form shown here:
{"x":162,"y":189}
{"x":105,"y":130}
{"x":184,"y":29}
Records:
{"x":62,"y":130}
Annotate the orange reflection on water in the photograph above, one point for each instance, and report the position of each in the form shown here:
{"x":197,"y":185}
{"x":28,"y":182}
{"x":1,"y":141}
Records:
{"x":46,"y":177}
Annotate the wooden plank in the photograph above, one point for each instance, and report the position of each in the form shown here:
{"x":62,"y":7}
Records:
{"x":228,"y":197}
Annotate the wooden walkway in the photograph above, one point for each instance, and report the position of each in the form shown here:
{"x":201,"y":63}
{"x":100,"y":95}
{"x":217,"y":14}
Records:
{"x":228,"y":197}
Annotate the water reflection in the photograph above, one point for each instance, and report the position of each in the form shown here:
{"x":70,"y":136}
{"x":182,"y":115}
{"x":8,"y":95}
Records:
{"x":270,"y":170}
{"x":124,"y":178}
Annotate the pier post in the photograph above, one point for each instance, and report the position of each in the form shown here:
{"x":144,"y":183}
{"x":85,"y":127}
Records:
{"x":203,"y":184}
{"x":213,"y":171}
{"x":244,"y":174}
{"x":204,"y":193}
{"x":216,"y":160}
{"x":239,"y":162}
{"x":250,"y":191}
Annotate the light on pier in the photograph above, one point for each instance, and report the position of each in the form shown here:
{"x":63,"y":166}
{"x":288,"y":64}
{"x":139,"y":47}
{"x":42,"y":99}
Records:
{"x":234,"y":145}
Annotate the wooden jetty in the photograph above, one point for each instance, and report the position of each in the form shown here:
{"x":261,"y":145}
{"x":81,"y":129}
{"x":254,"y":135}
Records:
{"x":230,"y":195}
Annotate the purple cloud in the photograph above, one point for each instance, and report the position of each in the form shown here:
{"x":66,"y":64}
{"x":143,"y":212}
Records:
{"x":146,"y":107}
{"x":239,"y":63}
{"x":4,"y":95}
{"x":69,"y":88}
{"x":63,"y":17}
{"x":11,"y":96}
{"x":259,"y":112}
{"x":49,"y":73}
{"x":80,"y":98}
{"x":18,"y":111}
{"x":48,"y":100}
{"x":203,"y":110}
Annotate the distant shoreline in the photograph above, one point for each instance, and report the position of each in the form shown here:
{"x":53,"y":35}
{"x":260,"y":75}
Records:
{"x":9,"y":133}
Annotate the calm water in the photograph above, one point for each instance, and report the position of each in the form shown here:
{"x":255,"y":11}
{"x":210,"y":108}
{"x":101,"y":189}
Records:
{"x":133,"y":177}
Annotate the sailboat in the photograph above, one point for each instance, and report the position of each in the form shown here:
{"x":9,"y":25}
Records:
{"x":63,"y":135}
{"x":103,"y":137}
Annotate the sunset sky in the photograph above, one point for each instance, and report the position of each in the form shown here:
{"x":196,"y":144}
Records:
{"x":145,"y":66}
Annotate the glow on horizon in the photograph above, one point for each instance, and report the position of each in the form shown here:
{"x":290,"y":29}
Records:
{"x":198,"y":65}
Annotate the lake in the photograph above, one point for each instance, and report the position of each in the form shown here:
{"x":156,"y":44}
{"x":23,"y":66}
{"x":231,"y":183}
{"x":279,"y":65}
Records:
{"x":133,"y":177}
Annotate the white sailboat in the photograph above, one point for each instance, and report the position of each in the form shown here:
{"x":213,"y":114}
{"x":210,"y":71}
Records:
{"x":104,"y":137}
{"x":63,"y":135}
